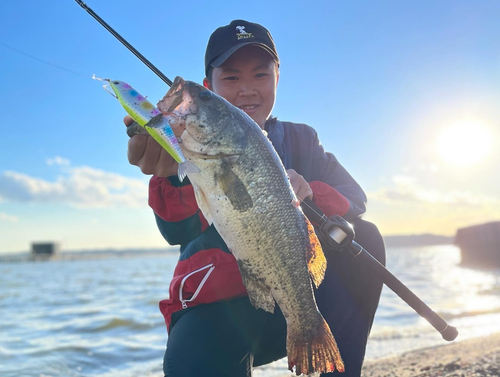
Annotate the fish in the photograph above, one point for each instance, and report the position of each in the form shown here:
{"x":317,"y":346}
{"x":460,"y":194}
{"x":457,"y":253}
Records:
{"x":244,"y":190}
{"x":152,"y":121}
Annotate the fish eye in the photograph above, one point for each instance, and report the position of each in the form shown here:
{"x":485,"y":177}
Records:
{"x":116,"y":82}
{"x":205,"y":95}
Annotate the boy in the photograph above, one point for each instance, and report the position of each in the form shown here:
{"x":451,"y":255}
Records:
{"x":213,"y":328}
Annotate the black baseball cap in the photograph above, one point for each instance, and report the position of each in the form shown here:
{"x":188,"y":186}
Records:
{"x":227,"y":39}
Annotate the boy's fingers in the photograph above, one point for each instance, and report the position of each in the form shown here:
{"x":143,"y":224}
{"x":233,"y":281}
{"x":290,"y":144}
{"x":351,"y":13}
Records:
{"x":128,"y":120}
{"x":136,"y":148}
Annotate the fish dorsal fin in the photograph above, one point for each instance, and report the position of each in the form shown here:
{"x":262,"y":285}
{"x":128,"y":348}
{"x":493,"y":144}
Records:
{"x":202,"y":203}
{"x":316,"y":261}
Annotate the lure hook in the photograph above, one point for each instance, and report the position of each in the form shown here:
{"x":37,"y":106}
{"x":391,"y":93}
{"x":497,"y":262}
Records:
{"x":105,"y":86}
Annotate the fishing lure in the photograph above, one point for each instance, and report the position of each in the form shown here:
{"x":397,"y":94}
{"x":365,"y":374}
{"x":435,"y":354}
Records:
{"x":152,"y":120}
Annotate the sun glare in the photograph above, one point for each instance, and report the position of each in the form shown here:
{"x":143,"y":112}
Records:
{"x":464,"y":144}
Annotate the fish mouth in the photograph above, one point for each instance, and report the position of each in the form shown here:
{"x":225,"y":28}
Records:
{"x":174,"y":96}
{"x":217,"y":156}
{"x":177,"y":105}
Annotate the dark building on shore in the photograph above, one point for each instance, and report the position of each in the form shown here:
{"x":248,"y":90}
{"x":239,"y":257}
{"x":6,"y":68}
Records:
{"x":480,"y":245}
{"x":44,"y":249}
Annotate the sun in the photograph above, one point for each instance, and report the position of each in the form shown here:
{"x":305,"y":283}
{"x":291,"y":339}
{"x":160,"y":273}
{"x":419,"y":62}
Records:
{"x":464,"y":143}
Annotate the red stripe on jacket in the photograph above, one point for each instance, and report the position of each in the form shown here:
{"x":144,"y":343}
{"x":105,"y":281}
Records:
{"x":223,"y":283}
{"x":180,"y":204}
{"x":329,"y":200}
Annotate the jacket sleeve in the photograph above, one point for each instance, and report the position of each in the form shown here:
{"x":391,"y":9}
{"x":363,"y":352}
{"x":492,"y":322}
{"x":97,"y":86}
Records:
{"x":335,"y":191}
{"x":177,"y":215}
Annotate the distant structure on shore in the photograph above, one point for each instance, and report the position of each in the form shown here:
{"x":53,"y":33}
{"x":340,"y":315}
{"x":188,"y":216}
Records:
{"x":417,"y":240}
{"x":480,"y":245}
{"x":44,"y":250}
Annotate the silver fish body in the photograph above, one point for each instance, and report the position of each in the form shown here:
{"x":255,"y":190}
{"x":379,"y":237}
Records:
{"x":243,"y":189}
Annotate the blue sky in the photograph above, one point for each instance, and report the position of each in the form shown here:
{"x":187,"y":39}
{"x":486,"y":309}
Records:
{"x":380,"y":81}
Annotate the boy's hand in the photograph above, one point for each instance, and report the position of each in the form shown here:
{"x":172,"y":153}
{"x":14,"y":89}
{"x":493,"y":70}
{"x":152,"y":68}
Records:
{"x":144,"y":152}
{"x":299,"y":185}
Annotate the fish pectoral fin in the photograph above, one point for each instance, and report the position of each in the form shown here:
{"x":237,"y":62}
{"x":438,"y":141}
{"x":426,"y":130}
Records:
{"x":185,"y":168}
{"x":233,"y":188}
{"x":316,"y":261}
{"x":202,"y":202}
{"x":258,"y":293}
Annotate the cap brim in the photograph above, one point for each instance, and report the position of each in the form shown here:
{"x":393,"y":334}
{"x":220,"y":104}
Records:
{"x":223,"y":57}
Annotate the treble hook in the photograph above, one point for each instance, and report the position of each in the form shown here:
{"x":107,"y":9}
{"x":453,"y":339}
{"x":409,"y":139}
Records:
{"x":105,"y":86}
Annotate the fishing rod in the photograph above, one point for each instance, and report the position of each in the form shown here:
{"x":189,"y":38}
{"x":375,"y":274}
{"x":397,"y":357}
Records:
{"x":338,"y":235}
{"x":335,"y":232}
{"x":125,"y":43}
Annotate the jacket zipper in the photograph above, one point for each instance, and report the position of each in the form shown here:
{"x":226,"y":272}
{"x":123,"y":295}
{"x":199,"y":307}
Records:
{"x":210,"y":268}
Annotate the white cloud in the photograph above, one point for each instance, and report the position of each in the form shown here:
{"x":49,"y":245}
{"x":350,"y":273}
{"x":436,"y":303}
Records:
{"x":407,"y":205}
{"x":431,"y":168}
{"x":8,"y":218}
{"x":406,"y":188}
{"x":57,"y":160}
{"x":79,"y":186}
{"x":404,"y":180}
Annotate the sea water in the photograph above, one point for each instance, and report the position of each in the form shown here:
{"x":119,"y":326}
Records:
{"x":100,"y":317}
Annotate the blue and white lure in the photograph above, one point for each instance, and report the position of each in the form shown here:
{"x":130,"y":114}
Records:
{"x":151,"y":119}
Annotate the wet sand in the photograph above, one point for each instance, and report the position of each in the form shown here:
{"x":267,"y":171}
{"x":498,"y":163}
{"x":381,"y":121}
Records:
{"x":473,"y":357}
{"x":478,"y":357}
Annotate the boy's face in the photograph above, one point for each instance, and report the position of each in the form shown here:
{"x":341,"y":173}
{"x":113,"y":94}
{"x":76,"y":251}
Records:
{"x":248,"y":80}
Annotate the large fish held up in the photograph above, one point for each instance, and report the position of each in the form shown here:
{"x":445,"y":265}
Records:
{"x":244,"y":190}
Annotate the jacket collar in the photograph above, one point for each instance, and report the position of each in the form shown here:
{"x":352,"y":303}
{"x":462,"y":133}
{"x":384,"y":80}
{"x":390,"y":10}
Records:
{"x":276,"y":134}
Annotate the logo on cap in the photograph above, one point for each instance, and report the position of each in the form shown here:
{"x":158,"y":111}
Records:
{"x":242,"y":34}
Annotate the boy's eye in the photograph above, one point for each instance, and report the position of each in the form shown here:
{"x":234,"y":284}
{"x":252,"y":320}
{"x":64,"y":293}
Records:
{"x":231,"y":78}
{"x":261,"y":74}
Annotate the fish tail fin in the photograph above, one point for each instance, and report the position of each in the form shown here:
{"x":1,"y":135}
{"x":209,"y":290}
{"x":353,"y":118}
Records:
{"x":321,"y":354}
{"x":185,"y":168}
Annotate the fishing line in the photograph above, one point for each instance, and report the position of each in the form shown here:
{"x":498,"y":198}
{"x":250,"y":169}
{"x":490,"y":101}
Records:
{"x":322,"y":215}
{"x":147,"y":62}
{"x":125,"y":43}
{"x":150,"y":65}
{"x":43,"y":61}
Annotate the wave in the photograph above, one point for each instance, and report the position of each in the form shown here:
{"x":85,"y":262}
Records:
{"x":96,"y":325}
{"x":402,"y":332}
{"x":469,"y":313}
{"x":115,"y":323}
{"x":422,"y":329}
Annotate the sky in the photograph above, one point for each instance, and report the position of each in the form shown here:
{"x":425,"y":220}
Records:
{"x":404,"y":93}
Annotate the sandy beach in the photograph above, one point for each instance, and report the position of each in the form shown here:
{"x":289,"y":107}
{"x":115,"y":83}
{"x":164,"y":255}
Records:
{"x":473,"y":357}
{"x":478,"y":357}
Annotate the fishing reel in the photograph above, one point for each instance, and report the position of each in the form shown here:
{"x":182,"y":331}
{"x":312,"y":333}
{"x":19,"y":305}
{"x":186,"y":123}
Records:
{"x":336,"y":233}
